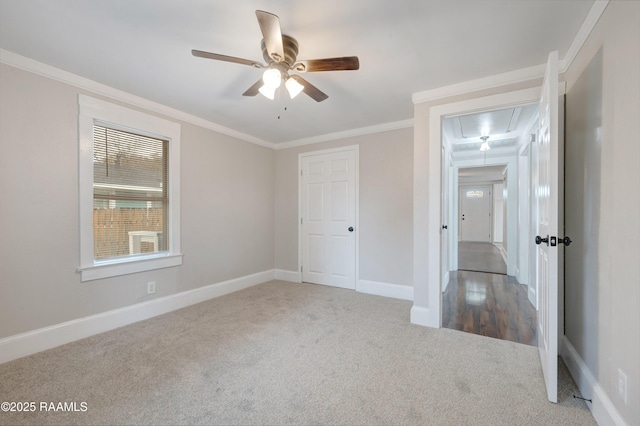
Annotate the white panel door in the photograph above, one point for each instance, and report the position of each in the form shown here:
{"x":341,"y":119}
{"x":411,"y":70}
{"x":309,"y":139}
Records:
{"x":475,"y":213}
{"x":328,"y":219}
{"x":547,"y":190}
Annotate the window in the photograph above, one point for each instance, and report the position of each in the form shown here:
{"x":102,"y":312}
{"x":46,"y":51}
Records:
{"x":475,"y":194}
{"x":129,"y":190}
{"x":129,"y":193}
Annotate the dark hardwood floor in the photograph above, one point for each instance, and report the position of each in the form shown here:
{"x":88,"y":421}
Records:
{"x":491,"y":305}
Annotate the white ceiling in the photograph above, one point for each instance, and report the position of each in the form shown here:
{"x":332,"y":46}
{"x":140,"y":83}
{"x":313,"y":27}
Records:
{"x":405,"y":46}
{"x":504,"y":128}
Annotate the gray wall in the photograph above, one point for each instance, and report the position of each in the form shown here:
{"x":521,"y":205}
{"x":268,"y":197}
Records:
{"x":602,"y":291}
{"x":386,"y":205}
{"x":227,"y":191}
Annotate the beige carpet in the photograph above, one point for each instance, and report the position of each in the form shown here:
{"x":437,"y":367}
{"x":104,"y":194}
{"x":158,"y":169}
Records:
{"x":285,"y":353}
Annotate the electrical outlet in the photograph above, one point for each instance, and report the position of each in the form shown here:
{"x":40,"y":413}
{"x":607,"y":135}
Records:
{"x":622,"y":385}
{"x":151,"y":287}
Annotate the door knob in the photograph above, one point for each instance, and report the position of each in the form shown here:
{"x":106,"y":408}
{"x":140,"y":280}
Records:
{"x":444,"y":227}
{"x":540,"y":240}
{"x":351,"y":229}
{"x":566,"y":241}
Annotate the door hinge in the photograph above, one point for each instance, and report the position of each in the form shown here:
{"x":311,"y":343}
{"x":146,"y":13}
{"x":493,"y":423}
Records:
{"x":300,"y":172}
{"x":301,"y":269}
{"x":300,"y":221}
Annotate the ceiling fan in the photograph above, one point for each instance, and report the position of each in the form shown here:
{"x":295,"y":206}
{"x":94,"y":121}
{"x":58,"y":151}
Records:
{"x":280,"y":52}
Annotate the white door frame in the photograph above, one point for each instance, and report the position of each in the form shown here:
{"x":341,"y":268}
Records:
{"x":427,"y":221}
{"x":356,"y":149}
{"x":510,"y":161}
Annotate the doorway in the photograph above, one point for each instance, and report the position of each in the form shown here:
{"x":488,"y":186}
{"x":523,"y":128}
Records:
{"x":482,"y":248}
{"x":483,"y":295}
{"x":427,"y":219}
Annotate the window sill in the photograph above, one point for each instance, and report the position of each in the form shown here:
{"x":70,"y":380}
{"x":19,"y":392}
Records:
{"x":128,"y":266}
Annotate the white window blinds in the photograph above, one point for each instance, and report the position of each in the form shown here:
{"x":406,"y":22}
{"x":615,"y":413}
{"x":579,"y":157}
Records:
{"x":130,"y":193}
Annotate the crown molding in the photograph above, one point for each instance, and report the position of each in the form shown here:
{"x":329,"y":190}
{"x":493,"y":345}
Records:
{"x":39,"y":68}
{"x":379,"y":128}
{"x":511,"y":77}
{"x":521,"y":75}
{"x":589,"y":23}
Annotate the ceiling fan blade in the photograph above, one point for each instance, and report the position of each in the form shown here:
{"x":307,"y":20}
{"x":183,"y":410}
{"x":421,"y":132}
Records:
{"x":218,"y":57}
{"x":271,"y":33}
{"x":311,"y":90}
{"x":255,"y":89}
{"x":347,"y":63}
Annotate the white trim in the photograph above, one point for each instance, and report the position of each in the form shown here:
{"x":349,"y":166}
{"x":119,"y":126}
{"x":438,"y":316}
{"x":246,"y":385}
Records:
{"x":129,"y":266}
{"x":91,"y":110}
{"x":521,"y":75}
{"x":356,"y":149}
{"x":602,"y":409}
{"x":531,"y":294}
{"x":48,"y":71}
{"x":39,"y":68}
{"x":395,"y":291}
{"x":446,"y":277}
{"x":34,"y":341}
{"x":497,"y":80}
{"x":425,"y":316}
{"x":379,"y":128}
{"x":511,"y":77}
{"x":291,"y":276}
{"x":504,"y":257}
{"x":589,"y":23}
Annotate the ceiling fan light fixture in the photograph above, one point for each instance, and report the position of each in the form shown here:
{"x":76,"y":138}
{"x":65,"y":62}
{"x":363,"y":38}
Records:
{"x":293,"y":87}
{"x":485,"y":145}
{"x":272,"y":78}
{"x":280,"y":52}
{"x":268,"y":91}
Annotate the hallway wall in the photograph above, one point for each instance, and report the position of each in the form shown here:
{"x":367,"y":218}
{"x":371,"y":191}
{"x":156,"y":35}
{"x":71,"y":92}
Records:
{"x":602,"y":294}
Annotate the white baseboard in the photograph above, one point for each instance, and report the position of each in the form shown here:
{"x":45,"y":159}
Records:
{"x":34,"y":341}
{"x":602,"y":409}
{"x":395,"y":291}
{"x":531,"y":293}
{"x":292,"y":276}
{"x":503,"y":253}
{"x":423,"y":316}
{"x":445,"y":280}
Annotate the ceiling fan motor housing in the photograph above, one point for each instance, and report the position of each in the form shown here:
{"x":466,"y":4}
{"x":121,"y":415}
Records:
{"x":290,"y":47}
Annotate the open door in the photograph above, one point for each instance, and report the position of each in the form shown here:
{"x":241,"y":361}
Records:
{"x":547,"y":189}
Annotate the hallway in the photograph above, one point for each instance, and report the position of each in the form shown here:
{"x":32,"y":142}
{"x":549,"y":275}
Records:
{"x":480,"y":257}
{"x":485,"y":303}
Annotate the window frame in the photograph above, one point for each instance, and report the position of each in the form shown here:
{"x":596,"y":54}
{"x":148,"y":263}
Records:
{"x":95,"y":111}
